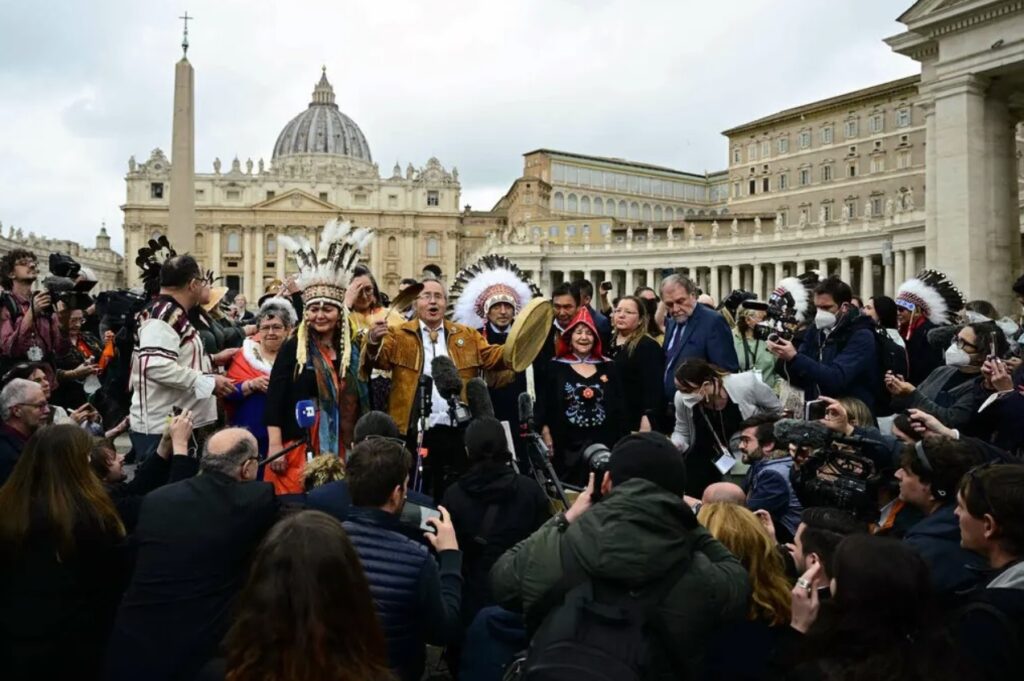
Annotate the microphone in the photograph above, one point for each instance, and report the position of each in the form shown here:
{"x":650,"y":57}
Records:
{"x":479,"y":399}
{"x":526,"y":410}
{"x":305,"y":413}
{"x":305,"y":417}
{"x":449,"y":385}
{"x":446,"y":377}
{"x":803,"y":433}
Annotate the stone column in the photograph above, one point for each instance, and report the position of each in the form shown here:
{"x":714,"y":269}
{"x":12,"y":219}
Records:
{"x":845,"y":269}
{"x":909,"y":263}
{"x":247,"y":263}
{"x":215,"y":259}
{"x":759,"y":281}
{"x":131,"y":251}
{"x":181,"y":214}
{"x":976,"y":216}
{"x":715,"y":282}
{"x":931,"y":171}
{"x":898,"y":262}
{"x":867,"y":277}
{"x":279,"y":259}
{"x":259,"y":262}
{"x":628,"y":282}
{"x":779,"y":270}
{"x":734,"y":278}
{"x":888,"y":284}
{"x":652,"y":273}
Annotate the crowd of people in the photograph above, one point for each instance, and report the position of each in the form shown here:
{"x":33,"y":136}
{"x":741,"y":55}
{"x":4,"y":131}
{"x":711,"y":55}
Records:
{"x":331,"y":483}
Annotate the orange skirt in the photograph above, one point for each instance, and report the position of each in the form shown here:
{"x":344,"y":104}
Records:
{"x":290,"y":481}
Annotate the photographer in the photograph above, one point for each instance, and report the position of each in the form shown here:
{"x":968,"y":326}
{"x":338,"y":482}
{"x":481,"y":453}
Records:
{"x":29,"y":329}
{"x":493,"y":509}
{"x":953,"y":393}
{"x":640,"y":538}
{"x":840,"y":358}
{"x":767,"y":485}
{"x":417,"y":598}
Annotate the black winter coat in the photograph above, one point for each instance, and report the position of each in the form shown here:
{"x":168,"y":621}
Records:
{"x":520,"y":507}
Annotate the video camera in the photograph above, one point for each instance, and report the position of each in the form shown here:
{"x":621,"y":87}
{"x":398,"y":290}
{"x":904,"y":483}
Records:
{"x":61,"y":284}
{"x":839,"y":472}
{"x":116,"y":309}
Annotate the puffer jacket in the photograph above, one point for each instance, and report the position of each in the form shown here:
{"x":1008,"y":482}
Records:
{"x":401,"y":353}
{"x":635,"y":536}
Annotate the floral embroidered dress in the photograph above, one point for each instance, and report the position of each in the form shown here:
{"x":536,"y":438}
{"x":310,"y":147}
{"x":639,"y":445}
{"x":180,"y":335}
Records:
{"x":580,"y":410}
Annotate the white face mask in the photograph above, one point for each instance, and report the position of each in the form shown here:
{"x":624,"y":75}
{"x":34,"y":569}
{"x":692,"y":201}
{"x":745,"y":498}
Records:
{"x":825,"y":320}
{"x":691,"y":400}
{"x":957,"y":356}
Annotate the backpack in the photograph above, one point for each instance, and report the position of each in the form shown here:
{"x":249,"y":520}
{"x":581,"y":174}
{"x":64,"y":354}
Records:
{"x":602,"y":631}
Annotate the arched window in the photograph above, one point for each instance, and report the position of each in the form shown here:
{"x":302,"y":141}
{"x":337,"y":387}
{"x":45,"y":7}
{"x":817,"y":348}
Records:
{"x":200,"y":242}
{"x":272,"y":244}
{"x":559,"y":203}
{"x":598,"y":206}
{"x":647,"y":211}
{"x":609,"y":207}
{"x":585,"y":205}
{"x":433,"y":247}
{"x":572,"y":206}
{"x":392,"y":246}
{"x":658,"y":215}
{"x":623,"y":209}
{"x":234,"y":242}
{"x":669,"y":213}
{"x":634,"y":210}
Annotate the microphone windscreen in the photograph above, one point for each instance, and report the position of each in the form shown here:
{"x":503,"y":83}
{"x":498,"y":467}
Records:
{"x":525,"y":407}
{"x":305,"y":413}
{"x":478,"y":398}
{"x":446,"y":377}
{"x":802,"y":433}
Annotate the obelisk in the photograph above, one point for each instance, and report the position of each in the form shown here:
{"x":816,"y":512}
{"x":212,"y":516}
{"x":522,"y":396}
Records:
{"x":182,"y":217}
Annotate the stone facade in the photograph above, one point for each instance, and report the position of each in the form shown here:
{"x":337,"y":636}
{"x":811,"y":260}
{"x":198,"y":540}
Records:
{"x":107,"y":265}
{"x":241,"y":210}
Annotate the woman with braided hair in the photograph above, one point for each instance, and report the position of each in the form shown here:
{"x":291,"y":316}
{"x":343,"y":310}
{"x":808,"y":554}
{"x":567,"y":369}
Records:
{"x":320,"y":362}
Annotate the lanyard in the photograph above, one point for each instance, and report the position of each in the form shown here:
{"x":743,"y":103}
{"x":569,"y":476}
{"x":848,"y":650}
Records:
{"x":714,"y":433}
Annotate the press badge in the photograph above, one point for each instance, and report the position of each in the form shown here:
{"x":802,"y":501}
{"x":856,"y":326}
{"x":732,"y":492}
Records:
{"x":725,"y":462}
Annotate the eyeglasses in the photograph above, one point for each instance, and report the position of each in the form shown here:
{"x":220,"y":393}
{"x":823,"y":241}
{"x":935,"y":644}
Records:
{"x":25,"y":262}
{"x":272,"y":327}
{"x":963,"y":345}
{"x":37,"y":405}
{"x":431,"y":296}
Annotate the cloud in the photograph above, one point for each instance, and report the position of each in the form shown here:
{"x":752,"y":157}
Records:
{"x":476,"y":84}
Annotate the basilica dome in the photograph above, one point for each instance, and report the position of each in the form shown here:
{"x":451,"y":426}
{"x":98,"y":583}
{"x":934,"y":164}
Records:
{"x":322,"y":129}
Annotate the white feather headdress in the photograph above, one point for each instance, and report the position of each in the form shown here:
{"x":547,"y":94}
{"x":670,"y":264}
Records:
{"x":931,"y":294}
{"x":491,"y":280}
{"x":324,"y":272}
{"x":799,"y":289}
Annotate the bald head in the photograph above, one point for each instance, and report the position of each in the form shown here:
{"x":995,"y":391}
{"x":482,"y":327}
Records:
{"x":725,"y":493}
{"x":232,"y":452}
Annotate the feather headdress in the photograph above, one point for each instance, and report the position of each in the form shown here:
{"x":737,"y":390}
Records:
{"x":324,"y":272}
{"x":931,"y":294}
{"x":151,"y":259}
{"x":491,"y":280}
{"x":795,"y":293}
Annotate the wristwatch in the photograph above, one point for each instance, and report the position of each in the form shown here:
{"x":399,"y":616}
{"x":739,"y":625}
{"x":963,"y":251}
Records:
{"x":561,"y":522}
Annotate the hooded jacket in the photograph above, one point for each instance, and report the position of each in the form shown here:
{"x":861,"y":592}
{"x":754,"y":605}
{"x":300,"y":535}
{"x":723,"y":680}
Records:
{"x":841,"y":363}
{"x":937,"y":538}
{"x":635,"y":536}
{"x":990,"y":628}
{"x":520,"y":507}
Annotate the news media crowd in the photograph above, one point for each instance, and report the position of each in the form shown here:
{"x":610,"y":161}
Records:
{"x":815,"y":486}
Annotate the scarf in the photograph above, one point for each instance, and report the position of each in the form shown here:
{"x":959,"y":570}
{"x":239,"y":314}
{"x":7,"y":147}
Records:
{"x":328,"y":420}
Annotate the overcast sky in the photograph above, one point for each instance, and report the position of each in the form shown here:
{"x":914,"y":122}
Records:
{"x":84,"y":85}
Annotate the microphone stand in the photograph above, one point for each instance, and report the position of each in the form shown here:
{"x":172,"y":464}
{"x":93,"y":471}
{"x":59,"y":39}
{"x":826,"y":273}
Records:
{"x":537,"y":452}
{"x":277,"y":455}
{"x":425,"y":401}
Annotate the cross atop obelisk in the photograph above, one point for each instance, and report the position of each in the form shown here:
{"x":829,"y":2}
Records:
{"x":184,"y":40}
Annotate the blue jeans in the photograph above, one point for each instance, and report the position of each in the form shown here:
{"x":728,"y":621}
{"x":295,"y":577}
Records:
{"x":144,"y":445}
